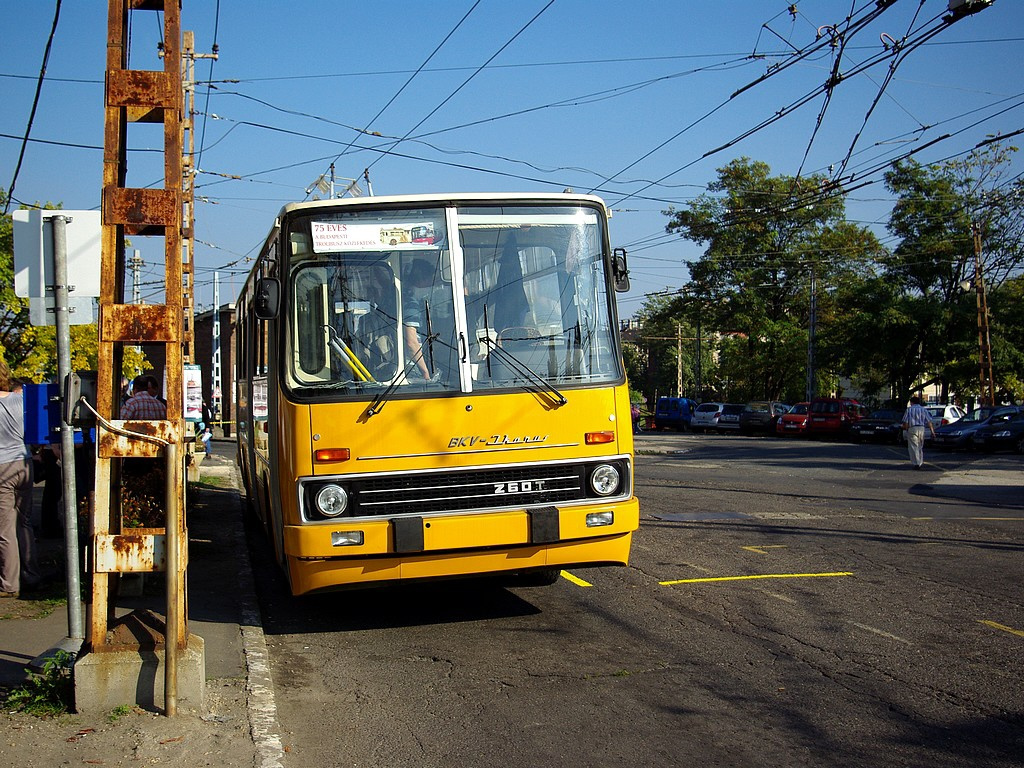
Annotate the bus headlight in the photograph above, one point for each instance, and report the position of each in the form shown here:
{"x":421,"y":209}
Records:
{"x":604,"y":480}
{"x":331,"y":500}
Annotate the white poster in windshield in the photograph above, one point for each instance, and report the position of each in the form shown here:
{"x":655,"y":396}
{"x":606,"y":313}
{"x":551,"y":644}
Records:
{"x":330,"y":236}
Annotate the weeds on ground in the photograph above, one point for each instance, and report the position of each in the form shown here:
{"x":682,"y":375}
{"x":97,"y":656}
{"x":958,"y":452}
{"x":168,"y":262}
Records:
{"x":48,"y":693}
{"x":118,"y":712}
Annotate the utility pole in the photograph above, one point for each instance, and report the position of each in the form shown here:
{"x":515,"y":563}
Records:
{"x":216,"y":394}
{"x":136,"y":267}
{"x":188,"y":182}
{"x":698,"y":366}
{"x":679,"y":360}
{"x":811,"y":332}
{"x":985,"y":378}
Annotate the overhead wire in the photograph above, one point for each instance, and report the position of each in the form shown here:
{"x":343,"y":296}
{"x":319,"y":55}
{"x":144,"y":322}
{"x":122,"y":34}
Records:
{"x":773,"y":72}
{"x":409,"y":80}
{"x":35,"y":105}
{"x":783,"y":112}
{"x":466,"y":82}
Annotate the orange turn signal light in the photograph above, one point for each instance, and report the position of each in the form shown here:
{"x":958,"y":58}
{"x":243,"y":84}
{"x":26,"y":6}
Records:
{"x":595,"y":438}
{"x":332,"y":454}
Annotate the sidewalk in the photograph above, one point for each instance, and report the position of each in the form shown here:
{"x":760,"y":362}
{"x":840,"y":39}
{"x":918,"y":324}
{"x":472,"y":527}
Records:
{"x":235,"y":729}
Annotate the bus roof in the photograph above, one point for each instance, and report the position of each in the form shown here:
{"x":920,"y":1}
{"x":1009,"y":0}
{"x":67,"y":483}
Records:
{"x":443,"y":198}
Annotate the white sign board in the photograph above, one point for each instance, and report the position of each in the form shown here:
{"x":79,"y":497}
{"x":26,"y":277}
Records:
{"x":33,"y":253}
{"x":40,"y":311}
{"x":329,"y":236}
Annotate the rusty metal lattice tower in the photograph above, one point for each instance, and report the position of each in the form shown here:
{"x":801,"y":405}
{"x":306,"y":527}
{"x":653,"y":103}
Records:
{"x":136,"y":96}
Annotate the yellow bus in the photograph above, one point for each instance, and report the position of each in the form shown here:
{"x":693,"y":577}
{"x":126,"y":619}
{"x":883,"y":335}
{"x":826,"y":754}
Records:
{"x":454,"y":406}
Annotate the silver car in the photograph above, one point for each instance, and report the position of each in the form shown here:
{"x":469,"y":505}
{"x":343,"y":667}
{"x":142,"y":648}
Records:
{"x":706,"y":417}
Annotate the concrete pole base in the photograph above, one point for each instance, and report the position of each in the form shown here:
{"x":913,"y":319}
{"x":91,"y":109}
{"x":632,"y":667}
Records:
{"x":111,"y":678}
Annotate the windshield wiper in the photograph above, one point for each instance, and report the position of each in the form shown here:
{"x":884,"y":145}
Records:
{"x":344,"y":351}
{"x":538,"y":383}
{"x":380,"y":400}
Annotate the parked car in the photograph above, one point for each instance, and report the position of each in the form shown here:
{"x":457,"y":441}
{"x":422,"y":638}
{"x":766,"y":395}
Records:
{"x":673,"y":413}
{"x":958,"y":434}
{"x":794,"y":421}
{"x":833,"y":416}
{"x":1005,"y":433}
{"x":885,"y":425}
{"x":944,"y":414}
{"x":705,"y":416}
{"x":730,"y":416}
{"x":761,"y":416}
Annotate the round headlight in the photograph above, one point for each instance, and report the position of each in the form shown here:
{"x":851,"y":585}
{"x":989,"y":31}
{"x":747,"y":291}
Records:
{"x":331,"y":500}
{"x":604,"y":479}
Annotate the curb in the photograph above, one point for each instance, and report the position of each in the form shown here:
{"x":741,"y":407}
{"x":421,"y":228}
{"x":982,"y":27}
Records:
{"x":261,"y":704}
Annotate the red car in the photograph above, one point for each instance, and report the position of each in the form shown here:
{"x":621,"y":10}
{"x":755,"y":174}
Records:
{"x":794,"y":421}
{"x":833,"y":416}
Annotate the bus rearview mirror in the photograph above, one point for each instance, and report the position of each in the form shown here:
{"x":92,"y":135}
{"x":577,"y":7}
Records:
{"x":620,"y":272}
{"x":268,"y":298}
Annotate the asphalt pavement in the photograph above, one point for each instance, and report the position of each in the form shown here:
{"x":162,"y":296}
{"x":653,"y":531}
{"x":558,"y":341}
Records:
{"x":991,"y":480}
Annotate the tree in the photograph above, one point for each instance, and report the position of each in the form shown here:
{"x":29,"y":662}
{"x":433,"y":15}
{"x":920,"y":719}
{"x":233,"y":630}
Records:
{"x":31,"y":351}
{"x":939,"y":210}
{"x":13,"y":310}
{"x":654,"y":366}
{"x":764,"y":237}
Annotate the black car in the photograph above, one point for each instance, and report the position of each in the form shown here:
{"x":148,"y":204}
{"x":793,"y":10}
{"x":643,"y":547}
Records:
{"x":761,"y":416}
{"x":1005,"y":433}
{"x":959,"y":433}
{"x":885,"y":425}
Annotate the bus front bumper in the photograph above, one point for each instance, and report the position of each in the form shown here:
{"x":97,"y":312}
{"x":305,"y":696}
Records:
{"x":354,"y":551}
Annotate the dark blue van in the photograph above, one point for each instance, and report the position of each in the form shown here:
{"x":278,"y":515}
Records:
{"x":673,"y":413}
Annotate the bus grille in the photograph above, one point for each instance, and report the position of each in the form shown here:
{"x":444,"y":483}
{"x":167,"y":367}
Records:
{"x":468,"y":489}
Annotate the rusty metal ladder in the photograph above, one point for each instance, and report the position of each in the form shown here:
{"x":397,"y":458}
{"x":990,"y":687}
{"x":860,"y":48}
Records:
{"x":140,"y":96}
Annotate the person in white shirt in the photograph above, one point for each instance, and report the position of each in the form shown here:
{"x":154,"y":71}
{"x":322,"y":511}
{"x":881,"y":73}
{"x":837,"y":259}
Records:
{"x":915,"y":421}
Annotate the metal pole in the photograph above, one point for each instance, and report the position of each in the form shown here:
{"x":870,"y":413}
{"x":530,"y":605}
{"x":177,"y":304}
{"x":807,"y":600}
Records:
{"x":679,"y":360}
{"x":811,"y":332}
{"x":67,"y":432}
{"x":985,"y":378}
{"x":173,"y":543}
{"x":215,"y":399}
{"x":700,"y":304}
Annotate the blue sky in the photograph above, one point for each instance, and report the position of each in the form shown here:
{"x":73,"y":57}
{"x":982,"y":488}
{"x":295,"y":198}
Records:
{"x":628,"y":100}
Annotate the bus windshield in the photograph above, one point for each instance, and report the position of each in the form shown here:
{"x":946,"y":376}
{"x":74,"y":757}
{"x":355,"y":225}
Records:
{"x":390,"y":300}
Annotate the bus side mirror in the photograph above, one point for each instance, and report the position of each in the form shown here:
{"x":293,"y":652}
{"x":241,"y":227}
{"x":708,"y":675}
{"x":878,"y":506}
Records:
{"x":620,"y":272}
{"x":268,"y":298}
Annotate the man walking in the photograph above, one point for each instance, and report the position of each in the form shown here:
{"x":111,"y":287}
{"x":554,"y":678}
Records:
{"x":914,"y":422}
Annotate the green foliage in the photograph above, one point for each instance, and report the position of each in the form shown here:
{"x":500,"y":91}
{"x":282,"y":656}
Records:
{"x":49,"y":693}
{"x":892,"y":322}
{"x":31,"y":351}
{"x":765,"y":235}
{"x":939,"y":210}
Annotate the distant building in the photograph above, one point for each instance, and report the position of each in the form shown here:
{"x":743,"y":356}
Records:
{"x":204,"y":349}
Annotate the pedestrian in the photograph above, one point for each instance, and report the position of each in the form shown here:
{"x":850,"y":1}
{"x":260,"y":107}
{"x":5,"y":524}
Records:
{"x":17,"y":539}
{"x":144,"y":404}
{"x":915,"y":420}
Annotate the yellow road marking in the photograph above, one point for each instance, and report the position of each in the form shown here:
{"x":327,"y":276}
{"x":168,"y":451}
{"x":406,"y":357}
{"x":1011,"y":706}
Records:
{"x":761,"y":550}
{"x":575,"y":580}
{"x":1002,"y":627}
{"x":759,"y":576}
